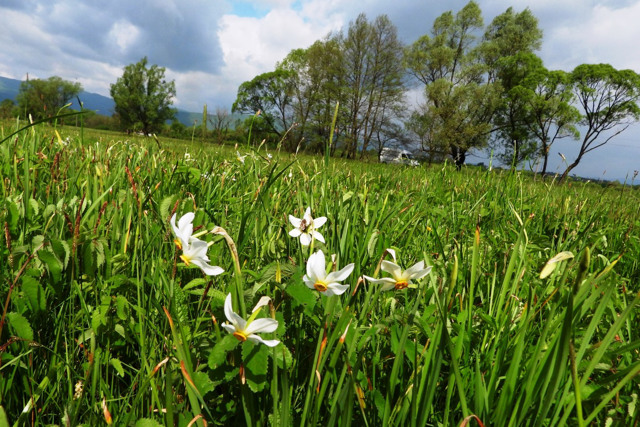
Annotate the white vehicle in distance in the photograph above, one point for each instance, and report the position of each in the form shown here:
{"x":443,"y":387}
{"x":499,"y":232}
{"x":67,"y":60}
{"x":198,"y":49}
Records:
{"x":394,"y":155}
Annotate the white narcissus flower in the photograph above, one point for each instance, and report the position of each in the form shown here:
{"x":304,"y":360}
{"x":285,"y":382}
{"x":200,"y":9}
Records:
{"x":194,"y":250}
{"x":247,"y":329}
{"x":183,"y":230}
{"x":400,"y":278}
{"x":318,"y":279}
{"x":239,"y":157}
{"x":305,"y":227}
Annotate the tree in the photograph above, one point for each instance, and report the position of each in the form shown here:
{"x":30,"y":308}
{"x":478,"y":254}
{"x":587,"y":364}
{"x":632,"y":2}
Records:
{"x":459,"y":99}
{"x":44,"y":98}
{"x":373,"y":71}
{"x":6,"y":108}
{"x":609,"y":102}
{"x":269,"y":93}
{"x":316,"y":84}
{"x":550,"y":114}
{"x":507,"y":50}
{"x":220,"y":121}
{"x":143,"y":97}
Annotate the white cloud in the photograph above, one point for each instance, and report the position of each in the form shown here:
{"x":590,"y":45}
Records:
{"x":124,"y":34}
{"x":607,"y":35}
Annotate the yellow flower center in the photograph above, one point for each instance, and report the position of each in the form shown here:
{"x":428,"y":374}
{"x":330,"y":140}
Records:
{"x":240,"y":336}
{"x":401,"y":285}
{"x":178,"y":243}
{"x":320,"y":286}
{"x":186,"y":259}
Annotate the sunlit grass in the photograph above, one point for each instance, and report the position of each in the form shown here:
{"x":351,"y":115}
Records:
{"x":100,"y":312}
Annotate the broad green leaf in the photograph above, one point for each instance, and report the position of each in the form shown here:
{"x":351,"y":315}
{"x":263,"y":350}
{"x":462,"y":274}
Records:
{"x":122,"y":307}
{"x":53,"y":264}
{"x":20,"y":326}
{"x":4,"y":422}
{"x":256,"y":366}
{"x":218,"y":354}
{"x":117,"y":365}
{"x":166,"y":206}
{"x":34,"y":293}
{"x":147,"y":422}
{"x":203,"y":382}
{"x":62,"y":251}
{"x":302,"y":295}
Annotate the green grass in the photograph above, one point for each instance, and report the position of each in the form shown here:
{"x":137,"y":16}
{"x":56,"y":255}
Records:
{"x":99,"y":310}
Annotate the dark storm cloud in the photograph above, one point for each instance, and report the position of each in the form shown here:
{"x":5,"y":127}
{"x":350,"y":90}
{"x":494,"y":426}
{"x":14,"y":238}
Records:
{"x":178,"y":35}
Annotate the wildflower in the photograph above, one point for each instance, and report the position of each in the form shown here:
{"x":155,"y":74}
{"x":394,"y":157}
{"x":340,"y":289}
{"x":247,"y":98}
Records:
{"x":305,"y":227}
{"x":247,"y":329}
{"x":399,"y":279}
{"x":194,"y":250}
{"x":183,"y":230}
{"x":239,"y":157}
{"x":318,"y":279}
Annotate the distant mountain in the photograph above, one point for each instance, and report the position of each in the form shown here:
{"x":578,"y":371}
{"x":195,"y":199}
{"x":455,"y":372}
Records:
{"x":104,"y":105}
{"x":9,"y":88}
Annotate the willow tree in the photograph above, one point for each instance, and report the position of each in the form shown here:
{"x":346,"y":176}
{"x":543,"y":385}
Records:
{"x":508,"y":47}
{"x":459,"y":100}
{"x":608,"y":99}
{"x":550,"y":110}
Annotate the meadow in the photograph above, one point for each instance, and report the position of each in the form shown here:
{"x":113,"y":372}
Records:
{"x":528,"y":316}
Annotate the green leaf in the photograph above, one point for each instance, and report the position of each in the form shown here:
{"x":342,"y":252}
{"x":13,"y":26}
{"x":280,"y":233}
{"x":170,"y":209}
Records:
{"x":256,"y":366}
{"x":166,"y":205}
{"x":62,"y":251}
{"x":117,"y":365}
{"x":147,"y":422}
{"x":283,"y":357}
{"x":53,"y":264}
{"x":219,"y":352}
{"x":34,"y":293}
{"x":302,"y":295}
{"x":34,"y":206}
{"x":4,"y":422}
{"x":371,"y":246}
{"x":203,"y":382}
{"x":20,"y":326}
{"x":14,"y":216}
{"x":195,"y":282}
{"x":122,"y":307}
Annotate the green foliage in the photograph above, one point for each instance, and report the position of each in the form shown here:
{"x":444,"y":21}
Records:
{"x":44,"y":98}
{"x":143,"y":97}
{"x":100,"y":312}
{"x":609,"y":102}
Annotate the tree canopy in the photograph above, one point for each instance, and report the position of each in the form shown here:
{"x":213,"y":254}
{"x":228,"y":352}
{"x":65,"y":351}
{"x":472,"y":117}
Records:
{"x":482,"y":86}
{"x":44,"y":98}
{"x":143,"y":97}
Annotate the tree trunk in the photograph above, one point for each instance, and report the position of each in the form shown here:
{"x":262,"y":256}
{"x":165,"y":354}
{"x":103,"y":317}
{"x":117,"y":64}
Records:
{"x":569,"y":168}
{"x":459,"y":155}
{"x":546,"y":160}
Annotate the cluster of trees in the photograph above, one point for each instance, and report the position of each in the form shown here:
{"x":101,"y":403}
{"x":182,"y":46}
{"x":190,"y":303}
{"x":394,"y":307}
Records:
{"x":360,"y":68}
{"x":40,"y":98}
{"x":142,"y":97}
{"x":482,"y":86}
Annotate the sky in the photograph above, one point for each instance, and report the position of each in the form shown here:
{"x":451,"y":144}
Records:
{"x":210,"y":47}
